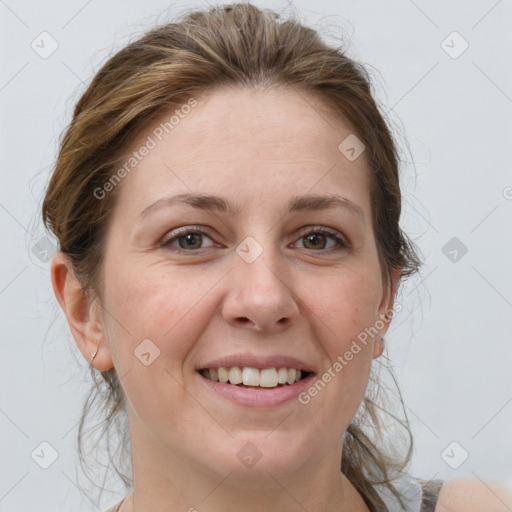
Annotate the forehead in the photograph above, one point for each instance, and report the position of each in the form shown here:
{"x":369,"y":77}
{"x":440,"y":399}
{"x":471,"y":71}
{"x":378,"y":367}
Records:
{"x":248,"y":144}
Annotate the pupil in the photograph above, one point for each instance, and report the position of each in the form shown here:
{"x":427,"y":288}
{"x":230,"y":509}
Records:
{"x":315,"y":238}
{"x":191,"y":237}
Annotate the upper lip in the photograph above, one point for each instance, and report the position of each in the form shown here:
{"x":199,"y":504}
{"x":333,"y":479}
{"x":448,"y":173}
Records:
{"x":260,"y":362}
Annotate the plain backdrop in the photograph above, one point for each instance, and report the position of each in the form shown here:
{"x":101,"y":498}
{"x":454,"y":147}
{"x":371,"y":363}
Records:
{"x":442,"y":73}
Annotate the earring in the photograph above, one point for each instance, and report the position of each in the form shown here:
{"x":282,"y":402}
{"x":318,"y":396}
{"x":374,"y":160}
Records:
{"x":94,"y":355}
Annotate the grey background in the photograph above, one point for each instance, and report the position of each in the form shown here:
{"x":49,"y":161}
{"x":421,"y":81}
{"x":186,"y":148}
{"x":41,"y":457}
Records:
{"x":450,"y":345}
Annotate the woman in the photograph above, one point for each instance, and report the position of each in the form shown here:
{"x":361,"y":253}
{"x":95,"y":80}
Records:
{"x":227,"y":204}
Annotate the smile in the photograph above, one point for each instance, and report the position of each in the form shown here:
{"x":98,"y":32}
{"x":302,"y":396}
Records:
{"x":253,"y":377}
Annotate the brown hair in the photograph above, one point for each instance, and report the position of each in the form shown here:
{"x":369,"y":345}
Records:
{"x":235,"y":45}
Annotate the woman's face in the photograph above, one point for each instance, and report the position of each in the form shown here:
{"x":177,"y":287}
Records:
{"x":261,"y":286}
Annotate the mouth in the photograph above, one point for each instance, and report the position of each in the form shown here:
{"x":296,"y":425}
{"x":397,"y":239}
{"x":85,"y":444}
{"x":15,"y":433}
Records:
{"x":255,"y":378}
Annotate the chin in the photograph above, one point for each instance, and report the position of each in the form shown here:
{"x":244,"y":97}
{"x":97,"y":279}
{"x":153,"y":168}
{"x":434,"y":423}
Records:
{"x":255,"y":460}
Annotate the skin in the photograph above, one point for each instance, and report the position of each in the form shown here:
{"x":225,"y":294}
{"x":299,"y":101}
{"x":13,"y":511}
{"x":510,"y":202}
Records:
{"x":257,"y":149}
{"x":474,"y":495}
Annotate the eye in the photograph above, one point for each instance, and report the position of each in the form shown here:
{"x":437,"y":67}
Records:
{"x":187,"y":239}
{"x":316,"y":239}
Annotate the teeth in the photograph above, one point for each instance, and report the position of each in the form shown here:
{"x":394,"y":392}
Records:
{"x":268,"y":378}
{"x":250,"y":377}
{"x":291,"y":376}
{"x":235,"y":375}
{"x":265,"y":378}
{"x":223,"y":374}
{"x":282,"y":375}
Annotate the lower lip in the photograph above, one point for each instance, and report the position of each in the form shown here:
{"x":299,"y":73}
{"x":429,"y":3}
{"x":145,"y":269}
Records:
{"x":260,"y":397}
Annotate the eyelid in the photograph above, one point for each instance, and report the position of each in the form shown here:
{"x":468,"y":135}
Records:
{"x":333,"y":233}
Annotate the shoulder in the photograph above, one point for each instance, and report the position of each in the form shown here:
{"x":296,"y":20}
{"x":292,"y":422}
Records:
{"x":473,"y":495}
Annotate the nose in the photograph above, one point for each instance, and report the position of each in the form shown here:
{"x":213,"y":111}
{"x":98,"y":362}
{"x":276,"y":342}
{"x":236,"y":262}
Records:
{"x":260,"y":296}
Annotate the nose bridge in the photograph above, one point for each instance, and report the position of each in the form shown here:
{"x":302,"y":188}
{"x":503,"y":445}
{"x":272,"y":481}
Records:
{"x":259,"y":289}
{"x":260,"y":264}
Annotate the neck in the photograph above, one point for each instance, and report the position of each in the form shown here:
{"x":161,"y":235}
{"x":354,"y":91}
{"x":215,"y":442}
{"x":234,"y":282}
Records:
{"x":230,"y":500}
{"x":165,"y":483}
{"x":167,"y":479}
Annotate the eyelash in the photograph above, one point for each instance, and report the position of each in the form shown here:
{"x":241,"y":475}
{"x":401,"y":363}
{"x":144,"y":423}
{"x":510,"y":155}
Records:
{"x":166,"y":243}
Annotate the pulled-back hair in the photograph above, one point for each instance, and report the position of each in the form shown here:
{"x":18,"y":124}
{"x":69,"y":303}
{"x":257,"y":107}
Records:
{"x":238,"y":45}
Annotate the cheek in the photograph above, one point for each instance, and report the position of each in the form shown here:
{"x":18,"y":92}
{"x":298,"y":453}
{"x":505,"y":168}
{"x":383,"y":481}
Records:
{"x":343,"y":309}
{"x":158,"y":304}
{"x":345,"y":304}
{"x":153,"y":323}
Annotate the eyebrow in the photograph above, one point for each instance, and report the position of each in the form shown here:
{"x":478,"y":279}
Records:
{"x":212,"y":203}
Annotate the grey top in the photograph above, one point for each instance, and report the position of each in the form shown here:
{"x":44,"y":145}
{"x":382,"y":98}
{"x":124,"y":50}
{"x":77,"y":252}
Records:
{"x":419,"y":495}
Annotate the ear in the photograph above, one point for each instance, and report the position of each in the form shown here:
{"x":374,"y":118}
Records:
{"x":386,"y":312}
{"x":83,"y":313}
